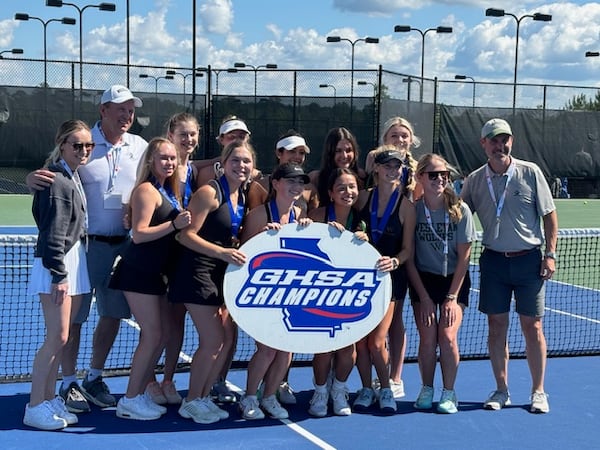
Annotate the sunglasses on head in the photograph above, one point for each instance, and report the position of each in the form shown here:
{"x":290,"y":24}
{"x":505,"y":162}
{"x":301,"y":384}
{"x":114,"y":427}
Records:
{"x":433,"y":175}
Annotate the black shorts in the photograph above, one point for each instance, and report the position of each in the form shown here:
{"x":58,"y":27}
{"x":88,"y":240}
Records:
{"x":437,"y":287}
{"x":133,"y":278}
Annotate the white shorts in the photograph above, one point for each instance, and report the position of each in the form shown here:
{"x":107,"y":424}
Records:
{"x":40,"y":281}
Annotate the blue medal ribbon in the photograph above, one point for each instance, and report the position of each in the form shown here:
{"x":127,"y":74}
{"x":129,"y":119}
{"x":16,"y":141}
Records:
{"x":167,"y":192}
{"x":187,"y":191}
{"x":275,"y":212}
{"x":378,"y":226}
{"x":331,"y":217}
{"x":236,"y":214}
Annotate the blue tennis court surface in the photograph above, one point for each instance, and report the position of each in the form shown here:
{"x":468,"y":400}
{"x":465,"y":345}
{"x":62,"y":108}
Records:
{"x":571,"y":423}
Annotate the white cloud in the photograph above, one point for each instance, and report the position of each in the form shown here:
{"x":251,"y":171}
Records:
{"x":6,"y":33}
{"x":216,"y":16}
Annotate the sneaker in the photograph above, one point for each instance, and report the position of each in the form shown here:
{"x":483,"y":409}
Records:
{"x":539,"y":402}
{"x":448,"y":403}
{"x":170,"y":392}
{"x":250,"y":408}
{"x":136,"y":408}
{"x":61,"y":411}
{"x":74,"y":399}
{"x":387,"y":404}
{"x":497,"y":400}
{"x":425,"y":398}
{"x":153,"y":405}
{"x":221,"y":413}
{"x":318,"y":403}
{"x":397,"y":388}
{"x":285,"y":394}
{"x":198,"y":410}
{"x":43,"y":417}
{"x":272,"y":406}
{"x":221,"y":392}
{"x":339,"y":397}
{"x":154,"y":391}
{"x":365,"y":397}
{"x":96,"y":391}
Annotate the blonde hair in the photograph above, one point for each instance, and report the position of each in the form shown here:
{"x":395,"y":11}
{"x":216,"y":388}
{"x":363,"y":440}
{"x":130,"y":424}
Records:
{"x":452,"y":201}
{"x":65,"y":130}
{"x":146,"y":168}
{"x":409,"y":162}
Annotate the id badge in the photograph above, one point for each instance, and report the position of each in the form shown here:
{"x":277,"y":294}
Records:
{"x":113,"y":200}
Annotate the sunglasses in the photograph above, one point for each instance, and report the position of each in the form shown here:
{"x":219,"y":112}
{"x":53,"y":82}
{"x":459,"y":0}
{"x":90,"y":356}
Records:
{"x":445,"y":174}
{"x":79,"y":146}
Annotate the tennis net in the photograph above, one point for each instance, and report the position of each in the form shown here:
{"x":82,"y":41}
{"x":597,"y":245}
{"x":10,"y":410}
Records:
{"x":571,"y":324}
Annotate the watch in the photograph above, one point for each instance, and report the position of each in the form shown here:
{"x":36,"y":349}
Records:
{"x":551,"y":255}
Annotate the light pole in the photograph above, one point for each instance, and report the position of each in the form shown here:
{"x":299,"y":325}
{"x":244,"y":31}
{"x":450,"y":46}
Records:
{"x":591,"y":54}
{"x":366,"y":40}
{"x":14,"y":51}
{"x":166,"y":77}
{"x":464,"y":77}
{"x":102,"y":7}
{"x":64,"y":21}
{"x":408,"y":28}
{"x":217,"y":72}
{"x":330,"y":86}
{"x":410,"y":80}
{"x":493,"y":12}
{"x":241,"y":65}
{"x":364,"y":83}
{"x":184,"y":76}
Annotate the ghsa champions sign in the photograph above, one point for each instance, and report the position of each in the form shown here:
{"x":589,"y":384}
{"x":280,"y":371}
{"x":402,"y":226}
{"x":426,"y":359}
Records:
{"x":307,"y":289}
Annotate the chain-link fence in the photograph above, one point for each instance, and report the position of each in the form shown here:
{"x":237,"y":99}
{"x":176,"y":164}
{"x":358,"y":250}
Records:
{"x":273,"y":101}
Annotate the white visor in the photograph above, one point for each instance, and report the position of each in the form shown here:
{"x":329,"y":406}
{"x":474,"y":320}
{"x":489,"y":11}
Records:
{"x":232,"y":125}
{"x":291,"y":142}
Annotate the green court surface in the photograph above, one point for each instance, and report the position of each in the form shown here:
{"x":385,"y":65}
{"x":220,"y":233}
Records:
{"x":572,"y":213}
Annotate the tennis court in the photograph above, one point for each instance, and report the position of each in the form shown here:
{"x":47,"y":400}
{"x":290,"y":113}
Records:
{"x":572,"y":326}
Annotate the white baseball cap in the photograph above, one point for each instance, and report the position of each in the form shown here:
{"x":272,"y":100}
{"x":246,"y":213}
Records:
{"x":119,"y":94}
{"x":494,"y":127}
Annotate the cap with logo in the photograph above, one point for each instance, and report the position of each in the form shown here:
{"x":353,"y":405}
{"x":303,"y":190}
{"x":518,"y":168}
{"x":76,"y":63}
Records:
{"x":288,"y":170}
{"x":119,"y":94}
{"x":494,"y":127}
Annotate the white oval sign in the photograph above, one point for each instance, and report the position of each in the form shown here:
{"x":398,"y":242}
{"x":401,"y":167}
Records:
{"x":307,"y":289}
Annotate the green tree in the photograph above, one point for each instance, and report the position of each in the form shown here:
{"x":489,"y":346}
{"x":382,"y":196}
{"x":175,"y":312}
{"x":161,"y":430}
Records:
{"x":581,"y":103}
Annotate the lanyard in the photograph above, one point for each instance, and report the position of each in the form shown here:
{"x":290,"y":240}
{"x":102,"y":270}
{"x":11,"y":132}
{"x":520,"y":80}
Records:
{"x":331,"y":216}
{"x":378,"y":226}
{"x":187,"y":191}
{"x":275,"y":212}
{"x":236,"y":214}
{"x":113,"y":156}
{"x":499,"y":203}
{"x":167,"y":192}
{"x":445,"y":240}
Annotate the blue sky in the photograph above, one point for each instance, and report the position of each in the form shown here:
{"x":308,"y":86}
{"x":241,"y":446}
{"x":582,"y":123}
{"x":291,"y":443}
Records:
{"x":293,"y":34}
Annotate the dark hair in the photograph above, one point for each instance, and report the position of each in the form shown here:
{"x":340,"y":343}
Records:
{"x":338,"y":172}
{"x":334,"y":136}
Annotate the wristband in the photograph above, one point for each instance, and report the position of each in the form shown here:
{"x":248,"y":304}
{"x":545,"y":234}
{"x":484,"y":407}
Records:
{"x":395,"y":263}
{"x":451,"y":296}
{"x":174,"y":227}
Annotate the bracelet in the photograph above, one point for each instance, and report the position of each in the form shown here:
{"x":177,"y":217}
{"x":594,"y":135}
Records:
{"x":451,"y":296}
{"x":174,"y":227}
{"x":395,"y":263}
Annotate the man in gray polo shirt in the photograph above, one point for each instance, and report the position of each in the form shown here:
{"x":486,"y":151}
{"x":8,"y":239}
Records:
{"x":510,"y":196}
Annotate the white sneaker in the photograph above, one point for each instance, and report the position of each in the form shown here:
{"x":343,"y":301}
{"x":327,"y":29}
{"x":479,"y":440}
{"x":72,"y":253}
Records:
{"x":539,"y":402}
{"x":397,"y":388}
{"x":152,"y":404}
{"x":318,"y":403}
{"x":198,"y":410}
{"x":61,"y":411}
{"x":339,"y":397}
{"x":285,"y":394}
{"x":387,"y":404}
{"x":43,"y":417}
{"x":250,"y":409}
{"x":216,"y":410}
{"x":274,"y":408}
{"x":136,"y":408}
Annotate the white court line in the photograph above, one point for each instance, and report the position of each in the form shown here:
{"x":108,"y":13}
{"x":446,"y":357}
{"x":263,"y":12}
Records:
{"x":288,"y":423}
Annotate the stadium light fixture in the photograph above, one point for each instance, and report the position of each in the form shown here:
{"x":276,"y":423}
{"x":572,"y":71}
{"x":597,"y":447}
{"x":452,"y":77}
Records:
{"x":14,"y":51}
{"x":465,"y":77}
{"x":173,"y":72}
{"x":591,"y":54}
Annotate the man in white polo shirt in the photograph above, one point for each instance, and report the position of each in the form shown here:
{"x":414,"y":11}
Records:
{"x":512,"y":199}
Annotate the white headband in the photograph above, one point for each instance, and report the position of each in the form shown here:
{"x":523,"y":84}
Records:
{"x":291,"y":142}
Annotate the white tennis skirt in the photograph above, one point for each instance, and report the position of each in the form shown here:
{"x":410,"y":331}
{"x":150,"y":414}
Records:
{"x":40,"y":281}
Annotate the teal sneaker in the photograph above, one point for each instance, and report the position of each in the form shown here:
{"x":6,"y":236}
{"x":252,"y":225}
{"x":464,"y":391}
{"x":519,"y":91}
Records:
{"x":425,"y":398}
{"x":448,"y":403}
